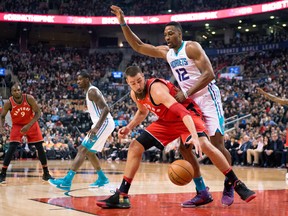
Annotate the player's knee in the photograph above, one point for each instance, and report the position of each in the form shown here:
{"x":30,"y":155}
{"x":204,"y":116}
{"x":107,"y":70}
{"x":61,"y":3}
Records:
{"x":82,"y":150}
{"x":136,"y":148}
{"x":218,"y":140}
{"x":206,"y":146}
{"x":39,"y":146}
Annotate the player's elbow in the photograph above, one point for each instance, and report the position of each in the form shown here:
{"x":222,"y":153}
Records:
{"x":210,"y":76}
{"x":138,"y":47}
{"x":106,"y":110}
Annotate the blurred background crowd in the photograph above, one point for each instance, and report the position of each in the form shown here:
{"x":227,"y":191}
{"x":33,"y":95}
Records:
{"x":255,"y":127}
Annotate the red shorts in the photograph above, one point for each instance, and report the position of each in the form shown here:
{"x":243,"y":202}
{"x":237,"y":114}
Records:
{"x":33,"y":135}
{"x":167,"y":131}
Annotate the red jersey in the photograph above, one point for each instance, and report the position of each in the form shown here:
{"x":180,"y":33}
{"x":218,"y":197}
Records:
{"x":22,"y":113}
{"x":162,"y":111}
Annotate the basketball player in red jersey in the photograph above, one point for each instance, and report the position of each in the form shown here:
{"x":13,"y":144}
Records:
{"x":25,"y":113}
{"x":174,"y":120}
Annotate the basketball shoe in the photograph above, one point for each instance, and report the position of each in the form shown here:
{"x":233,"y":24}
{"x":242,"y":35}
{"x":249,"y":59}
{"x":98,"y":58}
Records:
{"x":201,"y":198}
{"x":46,"y":176}
{"x":2,"y":179}
{"x":101,"y":181}
{"x":118,"y":200}
{"x":61,"y":183}
{"x":228,"y":194}
{"x":246,"y":194}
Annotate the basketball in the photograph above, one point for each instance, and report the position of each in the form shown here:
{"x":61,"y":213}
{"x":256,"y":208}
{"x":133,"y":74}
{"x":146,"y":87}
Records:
{"x":180,"y":172}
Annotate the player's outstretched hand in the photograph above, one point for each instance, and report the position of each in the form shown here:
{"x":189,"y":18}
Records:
{"x":123,"y":132}
{"x":196,"y":143}
{"x":261,"y":91}
{"x":118,"y":13}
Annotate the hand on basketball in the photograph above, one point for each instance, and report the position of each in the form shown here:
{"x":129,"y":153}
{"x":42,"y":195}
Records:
{"x":119,"y":13}
{"x":196,"y":143}
{"x":123,"y":132}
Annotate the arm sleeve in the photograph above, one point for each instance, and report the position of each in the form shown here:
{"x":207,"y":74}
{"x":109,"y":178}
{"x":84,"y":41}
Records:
{"x":179,"y":109}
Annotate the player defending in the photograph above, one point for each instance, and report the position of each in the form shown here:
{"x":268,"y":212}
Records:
{"x":281,"y":101}
{"x":103,"y":126}
{"x":193,"y":71}
{"x":157,"y":96}
{"x":25,"y":113}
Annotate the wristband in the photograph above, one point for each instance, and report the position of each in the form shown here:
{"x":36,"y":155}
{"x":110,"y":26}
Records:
{"x":185,"y":94}
{"x":124,"y":24}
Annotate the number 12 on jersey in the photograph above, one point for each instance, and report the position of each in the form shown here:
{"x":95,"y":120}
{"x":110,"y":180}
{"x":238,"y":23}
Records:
{"x":182,"y":74}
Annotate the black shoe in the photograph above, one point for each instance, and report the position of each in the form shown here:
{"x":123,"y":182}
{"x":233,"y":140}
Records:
{"x":2,"y":179}
{"x":118,"y":200}
{"x":246,"y":194}
{"x":46,"y":176}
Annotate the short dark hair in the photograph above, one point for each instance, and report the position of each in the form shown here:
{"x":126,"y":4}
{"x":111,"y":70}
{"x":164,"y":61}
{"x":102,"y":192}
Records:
{"x":14,"y":83}
{"x":175,"y":24}
{"x":84,"y":74}
{"x":132,"y":71}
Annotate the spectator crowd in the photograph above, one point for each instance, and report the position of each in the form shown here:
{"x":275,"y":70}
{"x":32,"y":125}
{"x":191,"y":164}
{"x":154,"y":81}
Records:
{"x":258,"y":139}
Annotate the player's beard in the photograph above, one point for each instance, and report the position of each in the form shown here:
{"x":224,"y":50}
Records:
{"x":141,"y":95}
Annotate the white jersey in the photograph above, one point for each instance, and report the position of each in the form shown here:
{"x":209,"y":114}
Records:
{"x":208,"y":99}
{"x":93,"y":109}
{"x":96,"y":143}
{"x":184,"y":69}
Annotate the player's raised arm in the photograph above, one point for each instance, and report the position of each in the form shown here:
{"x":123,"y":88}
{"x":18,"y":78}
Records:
{"x":282,"y":101}
{"x":134,"y":40}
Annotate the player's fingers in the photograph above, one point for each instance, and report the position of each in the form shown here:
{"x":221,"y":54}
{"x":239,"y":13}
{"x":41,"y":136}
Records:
{"x":177,"y":98}
{"x":200,"y":152}
{"x":115,"y":8}
{"x":196,"y":149}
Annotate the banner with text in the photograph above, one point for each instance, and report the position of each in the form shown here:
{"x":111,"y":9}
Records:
{"x":252,"y":48}
{"x":157,"y":19}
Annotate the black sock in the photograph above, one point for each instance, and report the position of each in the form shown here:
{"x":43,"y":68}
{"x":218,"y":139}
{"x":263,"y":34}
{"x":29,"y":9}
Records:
{"x":45,"y":169}
{"x":41,"y":153}
{"x":232,"y":178}
{"x":3,"y":171}
{"x":125,"y":185}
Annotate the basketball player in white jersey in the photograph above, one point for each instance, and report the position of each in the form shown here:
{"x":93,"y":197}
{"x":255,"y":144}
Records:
{"x":193,"y":71}
{"x":103,"y":126}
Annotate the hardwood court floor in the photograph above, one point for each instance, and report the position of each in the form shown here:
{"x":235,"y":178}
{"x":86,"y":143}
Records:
{"x":151,"y":192}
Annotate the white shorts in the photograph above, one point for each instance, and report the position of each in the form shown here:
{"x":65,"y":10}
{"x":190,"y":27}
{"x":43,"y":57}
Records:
{"x":211,"y":107}
{"x":96,"y":143}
